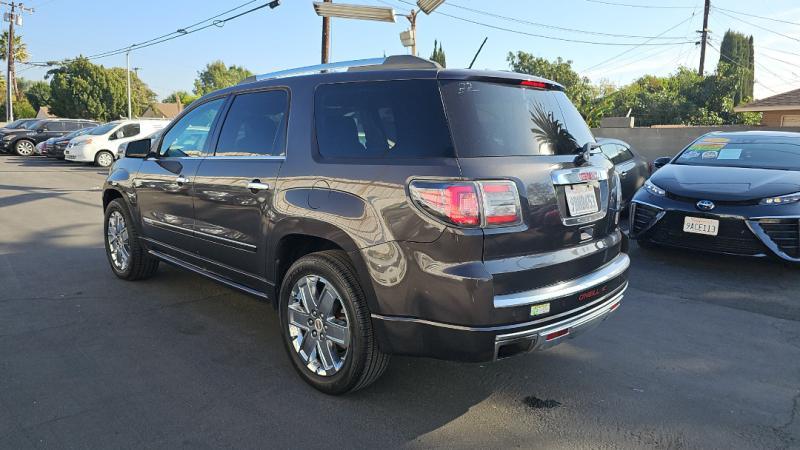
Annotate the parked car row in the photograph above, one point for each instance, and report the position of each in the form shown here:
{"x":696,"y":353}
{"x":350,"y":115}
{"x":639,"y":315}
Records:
{"x":74,"y":140}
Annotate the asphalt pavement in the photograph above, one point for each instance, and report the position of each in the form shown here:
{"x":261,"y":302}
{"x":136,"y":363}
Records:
{"x":703,"y":353}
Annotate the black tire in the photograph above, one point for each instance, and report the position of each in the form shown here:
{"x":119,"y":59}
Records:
{"x":364,"y":362}
{"x":103,"y":156}
{"x":24,"y":147}
{"x":141,"y":264}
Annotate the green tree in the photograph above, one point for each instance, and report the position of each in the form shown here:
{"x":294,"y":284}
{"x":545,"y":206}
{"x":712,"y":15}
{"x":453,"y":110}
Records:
{"x":438,"y":54}
{"x":22,"y":109}
{"x":184,"y":97}
{"x":217,"y":76}
{"x":37,"y":93}
{"x":84,"y":90}
{"x":20,"y":55}
{"x":579,"y":89}
{"x":737,"y":62}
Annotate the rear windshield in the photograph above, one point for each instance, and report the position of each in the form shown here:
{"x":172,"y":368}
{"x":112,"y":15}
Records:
{"x":491,"y":119}
{"x":381,"y":120}
{"x":726,"y":152}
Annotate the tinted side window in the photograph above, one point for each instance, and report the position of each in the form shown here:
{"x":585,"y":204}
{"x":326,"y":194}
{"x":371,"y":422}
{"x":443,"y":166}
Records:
{"x":54,"y":126}
{"x":70,"y":126}
{"x":255,"y":125}
{"x":130,"y":130}
{"x":188,"y":136}
{"x":381,"y":119}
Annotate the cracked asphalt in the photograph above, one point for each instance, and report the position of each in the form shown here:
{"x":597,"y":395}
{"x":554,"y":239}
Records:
{"x":703,"y":353}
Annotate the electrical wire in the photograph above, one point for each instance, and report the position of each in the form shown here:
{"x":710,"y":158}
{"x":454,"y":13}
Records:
{"x":632,"y":5}
{"x":601,"y":63}
{"x":511,"y":30}
{"x":553,"y":27}
{"x":215,"y":21}
{"x":736,"y":63}
{"x":754,"y":15}
{"x":757,"y":26}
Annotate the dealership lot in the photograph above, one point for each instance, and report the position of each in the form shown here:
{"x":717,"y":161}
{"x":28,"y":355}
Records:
{"x":705,"y":352}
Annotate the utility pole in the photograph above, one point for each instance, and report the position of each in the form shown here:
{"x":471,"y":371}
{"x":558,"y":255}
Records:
{"x":128,"y":71}
{"x":704,"y":38}
{"x":412,"y":18}
{"x":12,"y":18}
{"x":326,"y":37}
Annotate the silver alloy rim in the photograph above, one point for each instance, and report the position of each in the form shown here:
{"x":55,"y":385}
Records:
{"x":105,"y":159}
{"x":25,"y":148}
{"x":118,"y":242}
{"x":318,"y":325}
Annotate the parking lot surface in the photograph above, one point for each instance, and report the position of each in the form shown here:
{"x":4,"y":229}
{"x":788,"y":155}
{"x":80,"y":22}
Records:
{"x":704,"y":352}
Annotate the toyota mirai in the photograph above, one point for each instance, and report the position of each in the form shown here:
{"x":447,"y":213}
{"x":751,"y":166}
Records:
{"x":726,"y":192}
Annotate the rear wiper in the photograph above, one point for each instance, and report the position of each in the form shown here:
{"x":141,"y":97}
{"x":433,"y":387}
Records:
{"x":582,"y":153}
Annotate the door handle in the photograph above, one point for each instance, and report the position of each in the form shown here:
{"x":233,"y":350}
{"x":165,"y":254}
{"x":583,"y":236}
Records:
{"x":181,"y":179}
{"x":257,"y":185}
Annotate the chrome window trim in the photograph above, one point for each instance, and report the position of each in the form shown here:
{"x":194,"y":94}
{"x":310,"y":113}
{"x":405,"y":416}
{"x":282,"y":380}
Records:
{"x":613,"y":269}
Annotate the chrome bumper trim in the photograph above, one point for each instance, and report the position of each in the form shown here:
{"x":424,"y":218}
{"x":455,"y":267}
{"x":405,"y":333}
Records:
{"x":568,"y":328}
{"x":613,"y":269}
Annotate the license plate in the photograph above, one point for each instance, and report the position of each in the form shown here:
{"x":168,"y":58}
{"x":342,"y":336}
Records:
{"x":697,"y":225}
{"x":581,"y":199}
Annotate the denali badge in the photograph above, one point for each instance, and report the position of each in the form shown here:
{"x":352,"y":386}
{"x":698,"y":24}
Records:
{"x":592,"y":293}
{"x":705,"y":205}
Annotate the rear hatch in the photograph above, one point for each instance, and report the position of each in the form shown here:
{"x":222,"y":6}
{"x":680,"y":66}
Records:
{"x":528,"y":132}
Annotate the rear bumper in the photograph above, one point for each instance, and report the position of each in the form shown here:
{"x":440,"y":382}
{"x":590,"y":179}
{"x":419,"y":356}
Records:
{"x":417,"y":337}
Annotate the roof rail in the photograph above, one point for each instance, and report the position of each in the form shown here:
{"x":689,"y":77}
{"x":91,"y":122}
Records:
{"x":358,"y":65}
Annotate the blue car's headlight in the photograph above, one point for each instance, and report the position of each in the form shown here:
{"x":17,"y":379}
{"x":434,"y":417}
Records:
{"x":653,"y":189}
{"x":781,"y":199}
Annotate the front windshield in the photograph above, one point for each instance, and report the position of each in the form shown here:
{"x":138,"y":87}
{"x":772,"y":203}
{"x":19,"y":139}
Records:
{"x":32,"y":125}
{"x":749,"y":152}
{"x":77,"y":133}
{"x":103,"y":129}
{"x":499,"y":119}
{"x":16,"y":123}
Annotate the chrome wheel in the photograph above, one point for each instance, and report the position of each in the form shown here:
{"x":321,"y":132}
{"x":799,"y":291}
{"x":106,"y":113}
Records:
{"x":105,"y":159}
{"x":24,"y":148}
{"x":318,"y":325}
{"x":118,"y":241}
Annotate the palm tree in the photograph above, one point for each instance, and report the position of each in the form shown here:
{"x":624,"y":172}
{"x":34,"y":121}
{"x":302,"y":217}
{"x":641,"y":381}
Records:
{"x":20,"y":54}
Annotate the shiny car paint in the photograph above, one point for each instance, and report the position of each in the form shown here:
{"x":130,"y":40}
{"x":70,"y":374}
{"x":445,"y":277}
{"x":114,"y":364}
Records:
{"x":428,"y":285}
{"x":731,"y":195}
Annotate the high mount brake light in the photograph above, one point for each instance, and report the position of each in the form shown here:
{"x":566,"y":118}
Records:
{"x":534,"y":84}
{"x":457,"y":202}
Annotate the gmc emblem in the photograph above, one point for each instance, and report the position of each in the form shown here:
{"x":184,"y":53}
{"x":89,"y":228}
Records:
{"x":592,"y":293}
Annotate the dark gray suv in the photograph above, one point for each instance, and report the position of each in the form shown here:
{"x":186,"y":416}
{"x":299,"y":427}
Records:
{"x":391,"y":208}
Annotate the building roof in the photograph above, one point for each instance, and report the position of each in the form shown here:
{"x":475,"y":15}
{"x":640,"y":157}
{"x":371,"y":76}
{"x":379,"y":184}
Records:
{"x":782,"y":102}
{"x":163,"y":110}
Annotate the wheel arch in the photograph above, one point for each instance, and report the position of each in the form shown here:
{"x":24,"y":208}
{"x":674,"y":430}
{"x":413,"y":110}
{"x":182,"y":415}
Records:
{"x":293,"y":238}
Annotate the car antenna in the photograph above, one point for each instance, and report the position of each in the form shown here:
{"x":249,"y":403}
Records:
{"x":477,"y":53}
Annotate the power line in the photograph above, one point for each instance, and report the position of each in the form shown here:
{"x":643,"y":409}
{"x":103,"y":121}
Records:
{"x":736,"y":63}
{"x":756,"y":16}
{"x":553,"y":27}
{"x":601,"y":63}
{"x":511,"y":30}
{"x":170,"y":36}
{"x":757,"y":26}
{"x":632,"y":5}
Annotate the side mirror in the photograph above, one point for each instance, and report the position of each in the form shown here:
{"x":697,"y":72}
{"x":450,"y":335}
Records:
{"x":661,"y":162}
{"x":138,"y":149}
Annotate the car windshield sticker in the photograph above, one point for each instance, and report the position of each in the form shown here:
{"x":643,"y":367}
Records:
{"x":709,"y":144}
{"x":730,"y":153}
{"x":690,"y":154}
{"x":710,"y":155}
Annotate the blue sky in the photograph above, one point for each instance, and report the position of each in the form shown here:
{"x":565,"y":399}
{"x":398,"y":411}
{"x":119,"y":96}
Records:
{"x":289,"y":36}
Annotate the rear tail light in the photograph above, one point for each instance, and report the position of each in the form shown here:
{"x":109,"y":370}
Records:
{"x":533,"y":84}
{"x":469,"y":204}
{"x":500,"y":203}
